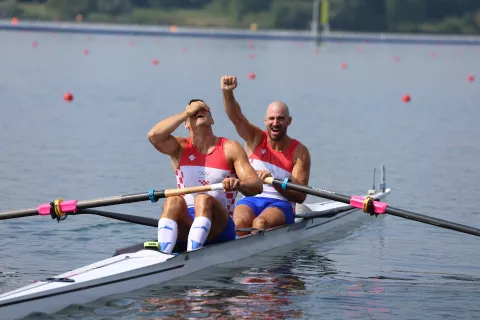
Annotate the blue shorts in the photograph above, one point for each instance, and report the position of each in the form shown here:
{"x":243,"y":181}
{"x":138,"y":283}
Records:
{"x":228,"y":233}
{"x":258,"y":204}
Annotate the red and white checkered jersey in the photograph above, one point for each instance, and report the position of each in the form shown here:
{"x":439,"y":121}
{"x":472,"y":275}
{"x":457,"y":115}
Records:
{"x":195,"y":169}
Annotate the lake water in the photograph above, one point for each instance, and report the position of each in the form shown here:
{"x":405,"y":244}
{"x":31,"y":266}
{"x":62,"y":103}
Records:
{"x":351,"y":119}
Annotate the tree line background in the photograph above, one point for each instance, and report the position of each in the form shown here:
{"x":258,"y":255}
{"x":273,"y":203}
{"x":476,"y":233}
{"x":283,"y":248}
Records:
{"x":412,"y":16}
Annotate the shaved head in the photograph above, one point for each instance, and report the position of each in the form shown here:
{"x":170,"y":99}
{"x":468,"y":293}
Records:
{"x":278,"y":106}
{"x":277,"y":120}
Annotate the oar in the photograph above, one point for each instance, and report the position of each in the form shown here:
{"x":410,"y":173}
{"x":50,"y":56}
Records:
{"x":369,"y":205}
{"x":144,"y":221}
{"x":59,"y":208}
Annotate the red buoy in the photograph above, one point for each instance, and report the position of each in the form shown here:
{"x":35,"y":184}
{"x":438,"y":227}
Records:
{"x":343,"y":65}
{"x":470,"y":78}
{"x":86,"y":52}
{"x":68,"y":96}
{"x":252,"y":75}
{"x":155,"y":62}
{"x":406,"y":98}
{"x":34,"y":44}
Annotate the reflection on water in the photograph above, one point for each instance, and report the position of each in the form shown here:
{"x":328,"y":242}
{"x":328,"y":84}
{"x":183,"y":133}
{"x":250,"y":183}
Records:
{"x":252,"y":293}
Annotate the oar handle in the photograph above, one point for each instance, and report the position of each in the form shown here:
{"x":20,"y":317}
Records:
{"x":206,"y":188}
{"x":70,"y":206}
{"x":377,"y":207}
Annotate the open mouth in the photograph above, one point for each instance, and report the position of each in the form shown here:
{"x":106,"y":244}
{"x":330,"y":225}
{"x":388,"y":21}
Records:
{"x":200,"y":114}
{"x":275,"y":130}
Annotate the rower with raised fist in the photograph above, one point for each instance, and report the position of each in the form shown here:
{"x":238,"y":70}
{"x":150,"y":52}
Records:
{"x":272,"y":153}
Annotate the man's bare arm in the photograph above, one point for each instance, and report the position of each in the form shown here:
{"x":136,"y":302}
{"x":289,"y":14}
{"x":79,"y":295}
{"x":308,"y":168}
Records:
{"x":250,"y":133}
{"x":161,"y":134}
{"x":250,"y":184}
{"x":300,"y":174}
{"x":161,"y":138}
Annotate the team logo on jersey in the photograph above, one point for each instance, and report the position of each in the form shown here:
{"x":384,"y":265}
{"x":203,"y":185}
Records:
{"x":203,"y":174}
{"x":263,"y":151}
{"x":192,"y":157}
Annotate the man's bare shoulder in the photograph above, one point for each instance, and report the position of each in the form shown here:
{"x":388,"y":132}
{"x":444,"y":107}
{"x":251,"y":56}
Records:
{"x":233,"y":147}
{"x":182,"y":141}
{"x":301,"y":152}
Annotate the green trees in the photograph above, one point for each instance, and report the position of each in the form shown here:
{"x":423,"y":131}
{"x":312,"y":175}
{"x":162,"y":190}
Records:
{"x":444,"y":16}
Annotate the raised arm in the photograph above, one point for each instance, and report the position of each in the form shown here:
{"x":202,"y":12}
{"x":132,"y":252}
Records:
{"x":250,"y":133}
{"x":249,"y":182}
{"x":300,"y":174}
{"x":160,"y":135}
{"x":161,"y":138}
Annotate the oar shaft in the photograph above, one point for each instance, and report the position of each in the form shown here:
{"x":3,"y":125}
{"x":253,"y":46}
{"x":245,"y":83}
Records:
{"x":149,"y":222}
{"x":309,"y":190}
{"x":19,"y":214}
{"x":111,"y":201}
{"x":433,"y":221}
{"x":74,"y":205}
{"x":380,"y":207}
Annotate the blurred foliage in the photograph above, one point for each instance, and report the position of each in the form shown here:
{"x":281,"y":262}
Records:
{"x":432,"y":16}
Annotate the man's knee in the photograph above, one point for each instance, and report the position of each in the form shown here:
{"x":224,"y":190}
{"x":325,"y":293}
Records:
{"x":173,"y":206}
{"x":260,"y":223}
{"x":203,"y":200}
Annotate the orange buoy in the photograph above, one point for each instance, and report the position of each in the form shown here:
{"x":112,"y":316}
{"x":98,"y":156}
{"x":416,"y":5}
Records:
{"x":343,"y":65}
{"x":470,"y":78}
{"x":68,"y":96}
{"x":252,"y":75}
{"x":14,"y":20}
{"x":406,"y":98}
{"x":155,"y":62}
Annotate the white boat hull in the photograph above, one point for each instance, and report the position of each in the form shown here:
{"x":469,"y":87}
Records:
{"x":130,"y":271}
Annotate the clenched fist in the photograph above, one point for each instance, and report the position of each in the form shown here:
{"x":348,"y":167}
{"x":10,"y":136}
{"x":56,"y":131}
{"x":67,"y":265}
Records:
{"x":230,"y":184}
{"x":262,"y":174}
{"x":228,"y":83}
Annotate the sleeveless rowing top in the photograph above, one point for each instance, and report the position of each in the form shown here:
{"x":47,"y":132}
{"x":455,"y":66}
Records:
{"x":279,"y":163}
{"x":196,"y":169}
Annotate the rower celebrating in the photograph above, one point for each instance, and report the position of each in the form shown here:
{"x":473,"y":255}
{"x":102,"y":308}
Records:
{"x":272,"y":153}
{"x":201,"y":159}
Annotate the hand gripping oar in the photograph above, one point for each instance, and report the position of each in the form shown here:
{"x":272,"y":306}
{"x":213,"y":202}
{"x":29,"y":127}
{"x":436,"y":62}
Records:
{"x":59,"y":208}
{"x":372,"y":207}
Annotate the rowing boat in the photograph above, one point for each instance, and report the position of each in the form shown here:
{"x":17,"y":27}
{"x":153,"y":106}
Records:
{"x":135,"y":267}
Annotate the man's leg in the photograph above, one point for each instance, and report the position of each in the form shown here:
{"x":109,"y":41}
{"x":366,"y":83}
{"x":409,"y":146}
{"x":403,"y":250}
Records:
{"x":243,"y":216}
{"x":211,"y":219}
{"x":277,"y":213}
{"x":174,"y":222}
